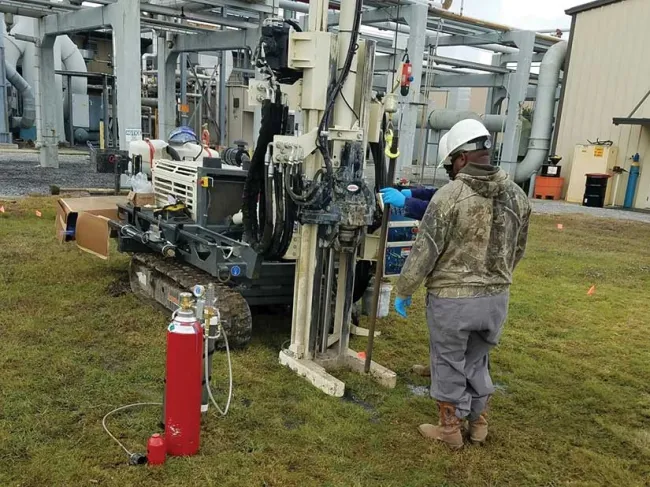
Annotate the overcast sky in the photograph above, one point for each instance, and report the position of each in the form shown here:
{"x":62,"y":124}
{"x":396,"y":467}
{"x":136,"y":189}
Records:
{"x":524,"y":14}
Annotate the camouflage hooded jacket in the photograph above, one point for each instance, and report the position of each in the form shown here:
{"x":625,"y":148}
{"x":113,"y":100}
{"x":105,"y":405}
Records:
{"x":472,"y":236}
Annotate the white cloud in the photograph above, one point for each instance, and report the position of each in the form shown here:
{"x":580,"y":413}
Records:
{"x":522,"y":14}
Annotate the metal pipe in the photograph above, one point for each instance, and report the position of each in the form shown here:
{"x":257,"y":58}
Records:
{"x":53,"y":7}
{"x":183,"y":62}
{"x":105,"y":109}
{"x":27,"y":94}
{"x":116,"y":144}
{"x":23,"y":11}
{"x":154,"y":53}
{"x":222,"y":94}
{"x":381,"y":251}
{"x":540,"y":135}
{"x":186,"y":15}
{"x":70,"y":121}
{"x":390,"y":26}
{"x":154,"y":72}
{"x":446,"y":119}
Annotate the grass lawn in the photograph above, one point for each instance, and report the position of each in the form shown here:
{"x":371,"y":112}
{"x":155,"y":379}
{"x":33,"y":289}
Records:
{"x":573,"y":374}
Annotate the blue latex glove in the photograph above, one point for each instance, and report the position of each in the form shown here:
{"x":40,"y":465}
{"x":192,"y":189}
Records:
{"x":393,"y":197}
{"x":401,"y":304}
{"x":408,"y":193}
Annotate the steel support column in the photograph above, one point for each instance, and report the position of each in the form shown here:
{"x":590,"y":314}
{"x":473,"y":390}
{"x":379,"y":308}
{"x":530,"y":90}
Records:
{"x":416,"y":16}
{"x":5,"y":136}
{"x":49,"y":138}
{"x":167,"y":61}
{"x":183,"y":104}
{"x":517,"y":91}
{"x":124,"y":18}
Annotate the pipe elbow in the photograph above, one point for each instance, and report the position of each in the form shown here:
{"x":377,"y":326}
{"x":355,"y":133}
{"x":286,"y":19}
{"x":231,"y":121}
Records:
{"x":542,"y":127}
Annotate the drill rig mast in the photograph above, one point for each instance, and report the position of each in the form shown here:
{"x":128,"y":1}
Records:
{"x":323,"y":175}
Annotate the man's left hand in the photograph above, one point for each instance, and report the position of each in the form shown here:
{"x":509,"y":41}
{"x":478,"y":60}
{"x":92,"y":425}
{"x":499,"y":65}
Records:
{"x":401,"y":304}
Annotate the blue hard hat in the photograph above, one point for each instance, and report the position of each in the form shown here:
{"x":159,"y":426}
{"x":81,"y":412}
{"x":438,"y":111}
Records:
{"x":182,"y":135}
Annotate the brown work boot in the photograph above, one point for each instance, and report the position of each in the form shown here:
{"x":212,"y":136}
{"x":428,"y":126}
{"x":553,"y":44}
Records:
{"x":422,"y":370}
{"x":448,"y":428}
{"x":478,"y":429}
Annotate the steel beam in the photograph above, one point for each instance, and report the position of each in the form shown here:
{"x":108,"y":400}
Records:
{"x":468,"y":80}
{"x":471,"y":40}
{"x":216,"y":41}
{"x":374,"y":15}
{"x":460,"y":63}
{"x":385,"y":64}
{"x":86,"y":19}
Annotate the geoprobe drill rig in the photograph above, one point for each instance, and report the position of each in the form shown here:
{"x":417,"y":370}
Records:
{"x":304,"y":198}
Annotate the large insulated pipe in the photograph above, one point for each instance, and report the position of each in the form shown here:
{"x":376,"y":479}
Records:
{"x":542,"y":128}
{"x":27,"y":95}
{"x":446,"y":119}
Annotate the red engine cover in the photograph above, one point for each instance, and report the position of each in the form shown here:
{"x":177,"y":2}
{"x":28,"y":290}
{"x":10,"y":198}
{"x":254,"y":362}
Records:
{"x":183,"y":388}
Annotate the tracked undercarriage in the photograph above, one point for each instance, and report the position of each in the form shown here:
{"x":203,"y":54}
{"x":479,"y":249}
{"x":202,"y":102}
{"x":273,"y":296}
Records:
{"x":162,"y":279}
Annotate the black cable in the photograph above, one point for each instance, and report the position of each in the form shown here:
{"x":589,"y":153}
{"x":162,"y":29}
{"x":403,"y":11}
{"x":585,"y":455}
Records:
{"x":350,"y":107}
{"x":321,"y":142}
{"x":293,"y":24}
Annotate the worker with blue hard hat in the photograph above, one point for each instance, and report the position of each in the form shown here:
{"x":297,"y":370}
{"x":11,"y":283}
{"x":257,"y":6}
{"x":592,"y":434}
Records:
{"x":470,"y":239}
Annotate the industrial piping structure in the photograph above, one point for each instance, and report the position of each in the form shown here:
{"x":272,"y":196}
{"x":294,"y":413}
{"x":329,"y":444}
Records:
{"x":430,"y":26}
{"x":20,"y":48}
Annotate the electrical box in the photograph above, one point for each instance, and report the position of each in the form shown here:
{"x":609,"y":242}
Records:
{"x":241,"y":115}
{"x":591,"y":159}
{"x":80,"y":111}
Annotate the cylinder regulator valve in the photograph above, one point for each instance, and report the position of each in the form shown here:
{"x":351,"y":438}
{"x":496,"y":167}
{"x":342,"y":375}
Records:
{"x":183,"y":380}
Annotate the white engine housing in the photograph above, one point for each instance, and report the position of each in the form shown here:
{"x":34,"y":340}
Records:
{"x":177,"y":179}
{"x":156,"y":150}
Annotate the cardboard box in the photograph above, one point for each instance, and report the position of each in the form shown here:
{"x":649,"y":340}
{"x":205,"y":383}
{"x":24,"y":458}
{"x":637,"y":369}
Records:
{"x":85,"y":220}
{"x":141,"y":199}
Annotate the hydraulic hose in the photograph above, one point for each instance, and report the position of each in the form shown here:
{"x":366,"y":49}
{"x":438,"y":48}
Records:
{"x":268,"y":214}
{"x":207,"y":373}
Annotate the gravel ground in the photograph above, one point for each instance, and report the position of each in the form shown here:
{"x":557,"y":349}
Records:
{"x":560,"y":208}
{"x":20,"y":174}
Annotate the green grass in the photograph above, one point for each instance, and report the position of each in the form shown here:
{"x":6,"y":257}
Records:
{"x":573,"y":370}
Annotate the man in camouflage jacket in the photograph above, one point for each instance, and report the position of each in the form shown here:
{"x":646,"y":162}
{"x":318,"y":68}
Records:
{"x":471,"y":238}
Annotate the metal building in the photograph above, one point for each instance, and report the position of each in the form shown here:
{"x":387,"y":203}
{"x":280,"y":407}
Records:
{"x":606,"y":95}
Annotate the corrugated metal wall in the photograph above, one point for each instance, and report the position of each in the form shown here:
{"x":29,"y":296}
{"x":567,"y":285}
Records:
{"x":609,"y":73}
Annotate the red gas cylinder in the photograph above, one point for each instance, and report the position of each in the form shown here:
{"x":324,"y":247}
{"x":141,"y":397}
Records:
{"x":183,"y":381}
{"x":156,"y":450}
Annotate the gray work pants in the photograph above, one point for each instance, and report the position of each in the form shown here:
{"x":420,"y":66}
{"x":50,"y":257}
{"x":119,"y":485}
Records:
{"x":462,"y":332}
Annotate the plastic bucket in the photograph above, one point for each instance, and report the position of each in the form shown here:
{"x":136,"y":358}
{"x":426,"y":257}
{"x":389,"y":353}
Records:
{"x":383,"y":306}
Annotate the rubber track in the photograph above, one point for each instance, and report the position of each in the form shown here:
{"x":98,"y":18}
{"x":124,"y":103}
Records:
{"x":234,"y":310}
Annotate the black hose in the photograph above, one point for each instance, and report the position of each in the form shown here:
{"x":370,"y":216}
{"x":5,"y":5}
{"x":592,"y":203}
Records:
{"x":268,"y":227}
{"x":173,"y":152}
{"x":255,"y":187}
{"x":293,"y":24}
{"x":278,"y":228}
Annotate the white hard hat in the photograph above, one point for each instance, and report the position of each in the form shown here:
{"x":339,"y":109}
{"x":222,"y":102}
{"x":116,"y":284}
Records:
{"x":442,"y":150}
{"x":460,"y":138}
